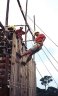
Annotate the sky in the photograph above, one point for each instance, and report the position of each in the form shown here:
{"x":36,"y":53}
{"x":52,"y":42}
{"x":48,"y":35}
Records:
{"x":46,"y":18}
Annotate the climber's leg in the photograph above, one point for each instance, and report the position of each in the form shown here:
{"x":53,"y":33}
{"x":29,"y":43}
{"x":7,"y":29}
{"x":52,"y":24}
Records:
{"x":29,"y":55}
{"x":31,"y":51}
{"x":36,"y":49}
{"x":28,"y":58}
{"x":25,"y":53}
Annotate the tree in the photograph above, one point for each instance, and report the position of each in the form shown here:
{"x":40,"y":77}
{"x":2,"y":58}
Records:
{"x":46,"y":80}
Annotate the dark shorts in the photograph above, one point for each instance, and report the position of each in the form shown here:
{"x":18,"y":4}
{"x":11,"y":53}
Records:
{"x":35,"y":49}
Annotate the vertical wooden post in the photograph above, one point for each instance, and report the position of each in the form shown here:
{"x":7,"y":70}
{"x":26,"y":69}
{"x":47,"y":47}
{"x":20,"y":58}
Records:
{"x":23,"y":80}
{"x":13,"y":79}
{"x":26,"y":24}
{"x":33,"y":38}
{"x":7,"y":11}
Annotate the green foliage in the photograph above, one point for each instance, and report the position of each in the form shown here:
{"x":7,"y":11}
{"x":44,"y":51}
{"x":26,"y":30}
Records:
{"x":46,"y":80}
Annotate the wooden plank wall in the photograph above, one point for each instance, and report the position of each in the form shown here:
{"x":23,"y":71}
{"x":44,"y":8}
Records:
{"x":23,"y":78}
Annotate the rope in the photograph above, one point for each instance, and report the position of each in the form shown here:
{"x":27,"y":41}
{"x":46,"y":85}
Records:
{"x":48,"y":70}
{"x":44,"y":33}
{"x":39,"y":72}
{"x":50,"y":61}
{"x":24,"y":16}
{"x":51,"y":55}
{"x":7,"y":12}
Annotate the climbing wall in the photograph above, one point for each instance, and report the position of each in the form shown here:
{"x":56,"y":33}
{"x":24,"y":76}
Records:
{"x":23,"y":78}
{"x":5,"y":61}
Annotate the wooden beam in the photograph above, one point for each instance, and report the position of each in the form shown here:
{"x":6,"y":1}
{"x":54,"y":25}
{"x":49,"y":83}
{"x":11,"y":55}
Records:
{"x":23,"y":78}
{"x":7,"y":12}
{"x":24,"y":16}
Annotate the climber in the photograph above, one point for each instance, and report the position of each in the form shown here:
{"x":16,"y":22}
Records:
{"x":19,"y":33}
{"x":39,"y":39}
